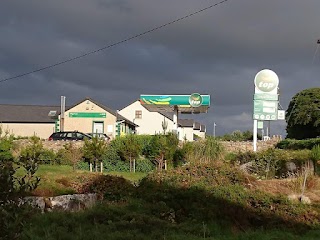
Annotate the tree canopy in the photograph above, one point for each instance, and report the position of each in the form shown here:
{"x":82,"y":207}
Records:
{"x":303,"y":114}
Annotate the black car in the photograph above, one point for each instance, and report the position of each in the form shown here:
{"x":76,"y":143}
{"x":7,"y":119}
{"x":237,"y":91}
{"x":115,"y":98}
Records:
{"x":69,"y":136}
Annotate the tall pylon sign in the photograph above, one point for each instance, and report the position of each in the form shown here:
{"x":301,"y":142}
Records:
{"x":265,"y":99}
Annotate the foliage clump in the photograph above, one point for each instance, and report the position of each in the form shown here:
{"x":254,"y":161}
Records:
{"x":238,"y":136}
{"x":204,"y":151}
{"x":93,"y":150}
{"x":14,"y":212}
{"x":303,"y":115}
{"x":293,"y":144}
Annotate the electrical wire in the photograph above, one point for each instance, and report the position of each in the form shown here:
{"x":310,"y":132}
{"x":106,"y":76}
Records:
{"x":113,"y":44}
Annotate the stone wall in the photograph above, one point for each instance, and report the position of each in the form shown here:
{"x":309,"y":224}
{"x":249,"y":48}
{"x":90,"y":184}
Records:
{"x":229,"y":145}
{"x":248,"y":146}
{"x":51,"y":145}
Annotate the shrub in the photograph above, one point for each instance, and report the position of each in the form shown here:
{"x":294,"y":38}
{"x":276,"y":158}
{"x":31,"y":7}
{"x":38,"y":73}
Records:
{"x":315,"y":157}
{"x":130,"y":149}
{"x":83,"y":166}
{"x":116,"y":166}
{"x":110,"y":187}
{"x":162,"y":147}
{"x":238,"y":136}
{"x":32,"y":152}
{"x":205,"y":151}
{"x":93,"y":150}
{"x":48,"y":156}
{"x":72,"y":154}
{"x":243,"y":157}
{"x":144,"y":165}
{"x":273,"y":162}
{"x":112,"y":160}
{"x":294,"y":144}
{"x":13,"y":213}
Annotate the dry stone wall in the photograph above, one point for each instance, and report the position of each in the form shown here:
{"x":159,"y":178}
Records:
{"x":248,"y":145}
{"x":51,"y":145}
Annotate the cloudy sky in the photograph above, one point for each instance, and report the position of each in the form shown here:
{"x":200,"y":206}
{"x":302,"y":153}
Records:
{"x":217,"y":52}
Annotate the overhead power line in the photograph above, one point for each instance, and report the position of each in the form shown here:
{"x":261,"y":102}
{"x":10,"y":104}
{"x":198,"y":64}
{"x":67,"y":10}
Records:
{"x":113,"y":44}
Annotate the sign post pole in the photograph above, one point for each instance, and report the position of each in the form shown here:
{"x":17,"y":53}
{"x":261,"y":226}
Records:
{"x":255,"y":133}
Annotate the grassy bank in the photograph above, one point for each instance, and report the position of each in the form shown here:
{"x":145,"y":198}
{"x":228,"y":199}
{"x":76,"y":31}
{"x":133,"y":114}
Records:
{"x":199,"y":202}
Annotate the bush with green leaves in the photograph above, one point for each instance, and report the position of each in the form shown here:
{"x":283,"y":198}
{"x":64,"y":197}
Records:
{"x":162,"y":147}
{"x":273,"y":162}
{"x":293,"y":144}
{"x":34,"y":151}
{"x":237,"y":136}
{"x":72,"y":154}
{"x":83,"y":166}
{"x":14,"y":213}
{"x":315,"y":157}
{"x":130,"y":149}
{"x":113,"y":162}
{"x":93,"y":150}
{"x":144,"y":165}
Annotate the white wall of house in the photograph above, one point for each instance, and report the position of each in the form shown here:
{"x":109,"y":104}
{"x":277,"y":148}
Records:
{"x":202,"y":134}
{"x":186,"y":133}
{"x":199,"y":133}
{"x":149,"y":123}
{"x":41,"y":130}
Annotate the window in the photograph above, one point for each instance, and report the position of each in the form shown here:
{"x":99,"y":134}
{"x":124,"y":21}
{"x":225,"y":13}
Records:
{"x":138,"y":114}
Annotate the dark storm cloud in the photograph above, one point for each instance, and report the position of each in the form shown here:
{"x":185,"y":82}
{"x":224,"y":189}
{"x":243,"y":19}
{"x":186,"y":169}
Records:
{"x":216,"y":52}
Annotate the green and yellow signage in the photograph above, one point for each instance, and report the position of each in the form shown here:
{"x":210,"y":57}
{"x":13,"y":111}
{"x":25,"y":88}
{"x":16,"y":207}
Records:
{"x":87,"y":115}
{"x":194,"y":100}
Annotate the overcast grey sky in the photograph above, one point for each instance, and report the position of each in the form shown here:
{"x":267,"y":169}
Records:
{"x":217,"y":52}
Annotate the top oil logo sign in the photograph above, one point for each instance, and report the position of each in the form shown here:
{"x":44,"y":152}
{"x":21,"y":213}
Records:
{"x":266,"y":81}
{"x":195,"y":100}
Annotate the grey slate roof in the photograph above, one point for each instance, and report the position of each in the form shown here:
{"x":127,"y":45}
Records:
{"x":186,"y":122}
{"x":26,"y":113}
{"x":39,"y":114}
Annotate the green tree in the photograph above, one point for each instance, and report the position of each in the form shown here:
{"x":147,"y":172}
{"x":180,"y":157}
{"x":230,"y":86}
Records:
{"x":161,"y":148}
{"x":93,"y":150}
{"x":303,"y":115}
{"x":130,"y":149}
{"x":72,"y":154}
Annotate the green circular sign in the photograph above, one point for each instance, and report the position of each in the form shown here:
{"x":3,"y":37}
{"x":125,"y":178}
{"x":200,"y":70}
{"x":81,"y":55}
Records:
{"x":195,"y":100}
{"x":266,"y":80}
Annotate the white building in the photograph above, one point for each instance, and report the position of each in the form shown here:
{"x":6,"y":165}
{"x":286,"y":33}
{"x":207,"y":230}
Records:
{"x":153,"y":122}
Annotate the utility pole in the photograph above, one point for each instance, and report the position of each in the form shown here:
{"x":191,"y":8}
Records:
{"x":63,"y":108}
{"x":214,"y":129}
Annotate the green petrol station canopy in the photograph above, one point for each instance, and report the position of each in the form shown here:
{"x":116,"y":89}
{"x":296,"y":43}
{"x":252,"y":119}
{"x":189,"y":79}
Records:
{"x":192,"y":103}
